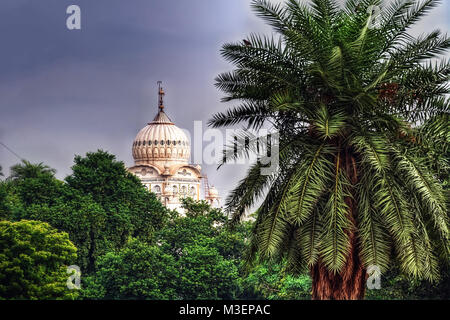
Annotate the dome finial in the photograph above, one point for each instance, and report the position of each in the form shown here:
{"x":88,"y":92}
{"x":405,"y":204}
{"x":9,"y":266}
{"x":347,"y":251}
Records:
{"x":161,"y":96}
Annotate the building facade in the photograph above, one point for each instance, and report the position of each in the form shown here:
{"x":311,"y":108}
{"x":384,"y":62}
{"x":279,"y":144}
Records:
{"x":161,"y":153}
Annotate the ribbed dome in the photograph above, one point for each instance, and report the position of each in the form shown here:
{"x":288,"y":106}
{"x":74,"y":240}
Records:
{"x":161,"y":140}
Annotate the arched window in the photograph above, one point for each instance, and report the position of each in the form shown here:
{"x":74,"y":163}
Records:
{"x":183,"y":189}
{"x":157,"y":189}
{"x":175,"y":189}
{"x":192,"y":192}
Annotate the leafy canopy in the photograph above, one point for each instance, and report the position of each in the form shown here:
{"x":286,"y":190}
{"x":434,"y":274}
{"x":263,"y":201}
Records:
{"x":33,"y":261}
{"x":100,"y":205}
{"x":194,"y":257}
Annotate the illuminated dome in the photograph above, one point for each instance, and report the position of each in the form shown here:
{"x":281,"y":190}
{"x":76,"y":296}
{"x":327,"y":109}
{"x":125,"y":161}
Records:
{"x":161,"y":153}
{"x":161,"y":141}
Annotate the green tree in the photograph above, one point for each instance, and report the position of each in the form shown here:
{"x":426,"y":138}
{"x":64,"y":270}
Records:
{"x":201,"y":222}
{"x":205,"y":274}
{"x":353,"y":187}
{"x":207,"y":253}
{"x":120,"y":193}
{"x":138,"y":271}
{"x":4,"y":212}
{"x":194,"y":257}
{"x":101,"y":206}
{"x":32,"y":192}
{"x":35,"y":183}
{"x":396,"y":286}
{"x":196,"y":224}
{"x":86,"y":223}
{"x":269,"y":281}
{"x":33,"y":261}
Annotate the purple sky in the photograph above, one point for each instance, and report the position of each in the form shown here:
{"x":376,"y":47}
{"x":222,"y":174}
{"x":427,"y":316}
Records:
{"x":69,"y":92}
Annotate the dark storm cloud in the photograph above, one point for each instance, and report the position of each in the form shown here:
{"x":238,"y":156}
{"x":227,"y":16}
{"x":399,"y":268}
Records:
{"x":69,"y":92}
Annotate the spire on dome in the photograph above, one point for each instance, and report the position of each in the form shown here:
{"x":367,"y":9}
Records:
{"x":161,"y":96}
{"x":161,"y":117}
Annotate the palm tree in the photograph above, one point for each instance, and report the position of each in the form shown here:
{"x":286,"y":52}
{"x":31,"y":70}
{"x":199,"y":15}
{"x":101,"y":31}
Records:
{"x":354,"y":186}
{"x":27,"y":169}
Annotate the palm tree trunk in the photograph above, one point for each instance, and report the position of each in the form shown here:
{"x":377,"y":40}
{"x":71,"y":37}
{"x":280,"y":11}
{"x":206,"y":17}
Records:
{"x":350,"y":283}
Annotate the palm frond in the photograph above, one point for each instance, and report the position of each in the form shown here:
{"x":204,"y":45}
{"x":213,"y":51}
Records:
{"x":375,"y":241}
{"x":336,"y":242}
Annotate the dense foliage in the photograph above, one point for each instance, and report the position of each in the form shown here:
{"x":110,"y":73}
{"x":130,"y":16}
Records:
{"x":191,"y":256}
{"x":33,"y":261}
{"x":270,"y":281}
{"x":194,"y":257}
{"x":100,"y":205}
{"x":396,"y":286}
{"x":138,"y":271}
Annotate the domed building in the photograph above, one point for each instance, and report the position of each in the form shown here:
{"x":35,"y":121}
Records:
{"x":212,"y":196}
{"x":161,"y":153}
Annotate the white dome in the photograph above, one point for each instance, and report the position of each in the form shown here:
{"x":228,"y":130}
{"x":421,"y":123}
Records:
{"x":161,"y":140}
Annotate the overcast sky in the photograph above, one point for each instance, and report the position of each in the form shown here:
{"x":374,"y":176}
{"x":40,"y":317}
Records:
{"x":69,"y":92}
